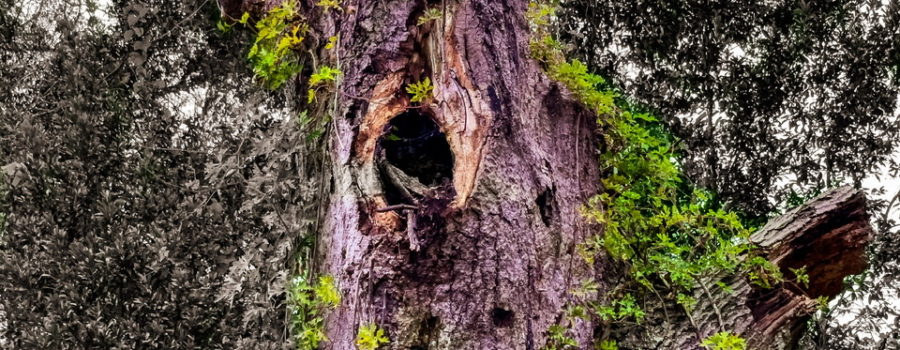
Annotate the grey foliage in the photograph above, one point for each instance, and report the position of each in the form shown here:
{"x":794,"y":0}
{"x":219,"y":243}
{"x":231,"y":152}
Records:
{"x":153,"y":194}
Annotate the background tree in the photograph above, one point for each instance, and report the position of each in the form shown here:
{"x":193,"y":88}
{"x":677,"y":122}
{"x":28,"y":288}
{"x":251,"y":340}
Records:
{"x":769,"y":98}
{"x":140,"y":166}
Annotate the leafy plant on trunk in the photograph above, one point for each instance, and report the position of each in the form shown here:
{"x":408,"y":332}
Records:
{"x":666,"y":233}
{"x":273,"y":54}
{"x":370,"y":337}
{"x":308,"y":305}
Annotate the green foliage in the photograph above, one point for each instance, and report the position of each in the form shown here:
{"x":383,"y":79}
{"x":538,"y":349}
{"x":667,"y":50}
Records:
{"x":323,"y":75}
{"x":654,"y":223}
{"x":724,"y":341}
{"x":665,"y":232}
{"x":420,"y":91}
{"x":539,"y":15}
{"x":330,"y":5}
{"x":575,"y":76}
{"x":308,"y":305}
{"x":822,"y":303}
{"x":620,"y":309}
{"x":276,"y":52}
{"x":431,"y":14}
{"x":557,"y":339}
{"x":223,"y":25}
{"x":326,"y":292}
{"x":542,"y":45}
{"x":279,"y":35}
{"x":607,"y":345}
{"x":800,"y":276}
{"x":724,"y":287}
{"x":332,"y":42}
{"x":686,"y":301}
{"x":370,"y":337}
{"x":762,"y":272}
{"x":764,"y":115}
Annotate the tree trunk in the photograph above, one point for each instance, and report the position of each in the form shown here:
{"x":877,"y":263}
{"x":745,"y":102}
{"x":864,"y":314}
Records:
{"x":496,"y":240}
{"x":452,"y":223}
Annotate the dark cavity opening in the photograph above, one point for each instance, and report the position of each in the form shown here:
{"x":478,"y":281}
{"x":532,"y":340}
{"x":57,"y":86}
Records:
{"x":414,"y":143}
{"x":547,"y":206}
{"x":502,"y":318}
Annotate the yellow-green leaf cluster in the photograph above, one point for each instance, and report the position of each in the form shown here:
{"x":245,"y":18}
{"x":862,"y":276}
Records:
{"x":608,"y":345}
{"x":325,"y":75}
{"x":420,"y":91}
{"x":370,"y":337}
{"x":430,"y":15}
{"x":332,"y":42}
{"x":330,"y":5}
{"x":308,"y":305}
{"x":279,"y":35}
{"x":724,"y":341}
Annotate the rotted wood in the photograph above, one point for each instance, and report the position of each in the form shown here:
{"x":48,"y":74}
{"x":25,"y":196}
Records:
{"x":828,"y":236}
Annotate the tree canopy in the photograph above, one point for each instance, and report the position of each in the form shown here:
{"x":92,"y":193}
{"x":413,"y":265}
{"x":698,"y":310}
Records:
{"x":151,"y":190}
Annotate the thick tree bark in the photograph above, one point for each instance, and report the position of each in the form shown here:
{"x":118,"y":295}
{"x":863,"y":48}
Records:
{"x":497,"y":245}
{"x":477,"y":251}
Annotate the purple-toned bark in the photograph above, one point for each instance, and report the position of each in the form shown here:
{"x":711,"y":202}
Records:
{"x":485,"y":256}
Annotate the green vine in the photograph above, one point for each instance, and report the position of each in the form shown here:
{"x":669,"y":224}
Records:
{"x":308,"y":304}
{"x":666,"y":234}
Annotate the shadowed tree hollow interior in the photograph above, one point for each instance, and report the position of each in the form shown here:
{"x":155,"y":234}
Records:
{"x":414,"y":143}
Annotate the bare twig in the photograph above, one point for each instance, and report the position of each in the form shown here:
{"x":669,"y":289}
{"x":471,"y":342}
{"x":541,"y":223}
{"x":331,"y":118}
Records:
{"x":403,"y":207}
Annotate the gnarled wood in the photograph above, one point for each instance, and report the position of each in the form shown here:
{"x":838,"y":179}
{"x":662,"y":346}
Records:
{"x":827,"y":235}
